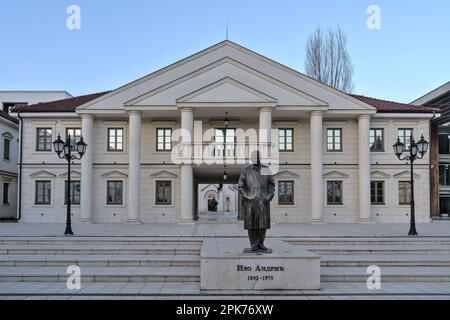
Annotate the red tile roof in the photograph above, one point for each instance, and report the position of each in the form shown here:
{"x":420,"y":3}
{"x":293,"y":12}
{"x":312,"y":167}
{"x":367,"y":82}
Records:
{"x":385,"y":106}
{"x":65,"y":105}
{"x":69,"y":105}
{"x":6,"y":116}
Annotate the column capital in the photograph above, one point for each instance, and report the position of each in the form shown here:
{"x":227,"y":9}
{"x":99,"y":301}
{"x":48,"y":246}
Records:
{"x":266,"y":109}
{"x":316,"y":113}
{"x":364,"y":116}
{"x":134,"y":112}
{"x":186,"y":109}
{"x":86,"y":116}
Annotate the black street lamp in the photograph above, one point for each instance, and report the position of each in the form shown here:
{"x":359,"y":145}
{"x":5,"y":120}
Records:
{"x":64,"y":151}
{"x":416,"y":151}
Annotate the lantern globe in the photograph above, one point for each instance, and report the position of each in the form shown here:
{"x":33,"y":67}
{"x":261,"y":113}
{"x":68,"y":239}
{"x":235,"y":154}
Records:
{"x":58,"y":145}
{"x":399,"y":147}
{"x":422,"y":146}
{"x":81,"y":147}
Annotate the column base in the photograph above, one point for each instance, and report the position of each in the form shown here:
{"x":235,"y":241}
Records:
{"x":365,"y":221}
{"x":186,"y":223}
{"x":318,"y":221}
{"x":133,"y":221}
{"x":86,"y":220}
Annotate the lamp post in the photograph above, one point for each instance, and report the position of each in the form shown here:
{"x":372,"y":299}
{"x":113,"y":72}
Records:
{"x":64,"y":151}
{"x":416,"y":151}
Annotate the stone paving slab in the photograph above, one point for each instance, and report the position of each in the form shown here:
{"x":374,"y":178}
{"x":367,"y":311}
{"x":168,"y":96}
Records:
{"x":435,"y":229}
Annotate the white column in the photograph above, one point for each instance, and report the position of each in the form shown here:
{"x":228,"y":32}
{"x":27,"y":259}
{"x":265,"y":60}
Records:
{"x":134,"y":171}
{"x":364,"y":167}
{"x":87,"y":126}
{"x":265,"y":131}
{"x":187,"y":171}
{"x":316,"y":167}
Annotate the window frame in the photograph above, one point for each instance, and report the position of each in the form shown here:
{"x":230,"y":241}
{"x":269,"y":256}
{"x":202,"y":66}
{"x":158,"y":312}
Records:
{"x":407,"y":190}
{"x":341,"y":136}
{"x":334,"y":203}
{"x":45,"y":143}
{"x":108,"y":142}
{"x":36,"y":184}
{"x":405,"y":138}
{"x":285,"y":182}
{"x":164,"y":139}
{"x":5,"y":194}
{"x":376,"y":203}
{"x":225,"y":136}
{"x":72,"y":192}
{"x":383,"y":149}
{"x":74,"y":142}
{"x":6,"y":149}
{"x":107,"y":193}
{"x":285,"y":136}
{"x":169,"y":182}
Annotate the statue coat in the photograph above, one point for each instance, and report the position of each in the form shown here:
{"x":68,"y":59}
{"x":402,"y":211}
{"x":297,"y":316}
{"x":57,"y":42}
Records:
{"x":257,"y":191}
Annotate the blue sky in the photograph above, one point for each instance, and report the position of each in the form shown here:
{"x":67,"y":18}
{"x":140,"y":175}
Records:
{"x":120,"y":41}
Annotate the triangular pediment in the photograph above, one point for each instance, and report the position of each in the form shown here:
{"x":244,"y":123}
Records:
{"x":164,"y":175}
{"x":43,"y":174}
{"x":227,"y":90}
{"x":286,"y":174}
{"x":226,"y":59}
{"x":114,"y":174}
{"x":73,"y":174}
{"x":379,"y":174}
{"x":405,"y":175}
{"x":7,"y":135}
{"x":335,"y":175}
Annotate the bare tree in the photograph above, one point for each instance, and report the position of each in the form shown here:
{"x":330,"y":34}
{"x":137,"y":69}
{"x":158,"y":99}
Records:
{"x":327,"y":59}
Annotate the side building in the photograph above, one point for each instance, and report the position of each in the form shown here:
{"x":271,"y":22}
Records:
{"x":9,"y":141}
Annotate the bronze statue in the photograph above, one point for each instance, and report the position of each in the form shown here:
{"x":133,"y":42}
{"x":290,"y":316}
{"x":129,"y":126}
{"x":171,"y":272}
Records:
{"x":257,"y":191}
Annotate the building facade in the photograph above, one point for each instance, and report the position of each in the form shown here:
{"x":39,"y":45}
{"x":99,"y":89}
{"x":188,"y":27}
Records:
{"x":335,"y":162}
{"x":440,"y":151}
{"x":9,"y":138}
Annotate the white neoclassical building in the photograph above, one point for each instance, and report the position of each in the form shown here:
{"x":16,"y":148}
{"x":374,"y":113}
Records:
{"x":336,"y":163}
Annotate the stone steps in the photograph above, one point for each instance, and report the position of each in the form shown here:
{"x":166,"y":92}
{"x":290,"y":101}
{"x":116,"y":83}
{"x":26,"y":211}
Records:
{"x":384,"y":260}
{"x":117,"y":260}
{"x":102,"y":274}
{"x":99,"y":240}
{"x":370,"y":241}
{"x":98,"y":249}
{"x":386,"y":249}
{"x":388,"y":274}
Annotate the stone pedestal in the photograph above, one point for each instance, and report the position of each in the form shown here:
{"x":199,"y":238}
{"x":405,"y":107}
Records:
{"x":225,"y":266}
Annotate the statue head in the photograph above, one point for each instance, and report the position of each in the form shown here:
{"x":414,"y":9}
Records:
{"x":256,"y":158}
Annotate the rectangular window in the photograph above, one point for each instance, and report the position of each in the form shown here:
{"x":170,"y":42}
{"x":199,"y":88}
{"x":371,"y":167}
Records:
{"x":115,"y":139}
{"x":444,"y":174}
{"x":334,"y":140}
{"x":405,"y":136}
{"x":75,"y":136}
{"x":404,"y":192}
{"x":285,"y":192}
{"x":164,"y":139}
{"x":377,"y":192}
{"x":8,"y":106}
{"x":43,"y":192}
{"x":6,"y":148}
{"x":225,"y":138}
{"x":164,"y":192}
{"x":377,"y":140}
{"x":286,"y":139}
{"x":115,"y":192}
{"x":444,"y":144}
{"x":44,"y":139}
{"x":334,"y":192}
{"x":75,"y":188}
{"x":5,"y":193}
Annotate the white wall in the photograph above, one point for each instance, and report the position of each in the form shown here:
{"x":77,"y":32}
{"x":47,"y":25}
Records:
{"x":342,"y":166}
